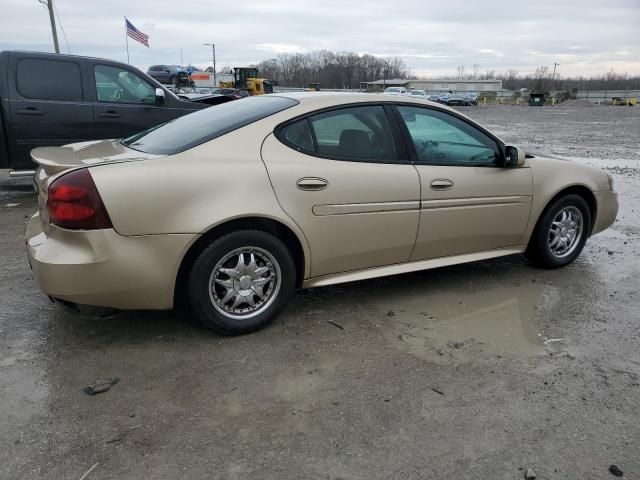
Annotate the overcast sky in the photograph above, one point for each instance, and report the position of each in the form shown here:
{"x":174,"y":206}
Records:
{"x":586,"y":37}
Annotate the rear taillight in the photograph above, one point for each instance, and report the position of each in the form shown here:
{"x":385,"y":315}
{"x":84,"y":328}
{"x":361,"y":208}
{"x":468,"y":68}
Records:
{"x":74,"y":202}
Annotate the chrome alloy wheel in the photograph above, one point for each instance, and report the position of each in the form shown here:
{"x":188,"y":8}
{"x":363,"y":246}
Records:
{"x":244,"y":283}
{"x":565,"y":232}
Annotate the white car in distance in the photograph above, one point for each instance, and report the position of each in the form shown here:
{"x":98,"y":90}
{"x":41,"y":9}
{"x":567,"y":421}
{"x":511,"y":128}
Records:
{"x":395,"y":91}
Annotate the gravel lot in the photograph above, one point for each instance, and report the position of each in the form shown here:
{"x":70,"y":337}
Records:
{"x":475,"y":371}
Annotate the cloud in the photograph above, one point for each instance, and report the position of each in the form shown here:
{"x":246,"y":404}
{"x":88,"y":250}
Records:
{"x":280,"y":48}
{"x":585,"y":36}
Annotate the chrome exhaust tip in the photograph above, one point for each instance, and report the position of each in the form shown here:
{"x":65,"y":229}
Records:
{"x":21,"y":173}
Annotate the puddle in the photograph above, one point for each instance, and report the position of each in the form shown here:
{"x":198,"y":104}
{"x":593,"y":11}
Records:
{"x":449,"y":326}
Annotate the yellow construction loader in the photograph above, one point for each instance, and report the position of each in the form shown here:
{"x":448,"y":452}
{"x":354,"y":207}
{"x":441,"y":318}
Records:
{"x":247,"y":79}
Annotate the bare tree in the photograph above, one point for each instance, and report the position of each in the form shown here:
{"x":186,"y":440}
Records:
{"x":331,"y":70}
{"x":540,"y":78}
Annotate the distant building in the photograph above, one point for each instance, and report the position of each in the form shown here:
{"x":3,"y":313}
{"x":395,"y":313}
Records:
{"x":433,"y":86}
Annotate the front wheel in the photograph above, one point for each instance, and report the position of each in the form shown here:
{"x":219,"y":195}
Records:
{"x":561,"y":233}
{"x":241,"y":282}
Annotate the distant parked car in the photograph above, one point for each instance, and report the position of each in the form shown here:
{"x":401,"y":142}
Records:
{"x":236,"y":93}
{"x":207,"y":99}
{"x":166,"y":74}
{"x":470,"y":99}
{"x":443,"y":98}
{"x":433,"y":97}
{"x":418,"y":93}
{"x":454,"y":99}
{"x":395,"y":91}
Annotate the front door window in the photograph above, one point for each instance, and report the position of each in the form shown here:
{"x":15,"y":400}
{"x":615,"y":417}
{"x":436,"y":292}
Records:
{"x":440,"y":138}
{"x":117,"y":85}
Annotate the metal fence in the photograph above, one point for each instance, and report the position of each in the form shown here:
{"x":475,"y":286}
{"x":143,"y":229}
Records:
{"x":607,"y":96}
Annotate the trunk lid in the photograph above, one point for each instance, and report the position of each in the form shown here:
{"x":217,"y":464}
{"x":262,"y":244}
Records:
{"x":85,"y":154}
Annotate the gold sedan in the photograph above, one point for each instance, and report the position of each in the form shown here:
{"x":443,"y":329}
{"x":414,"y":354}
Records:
{"x":238,"y":205}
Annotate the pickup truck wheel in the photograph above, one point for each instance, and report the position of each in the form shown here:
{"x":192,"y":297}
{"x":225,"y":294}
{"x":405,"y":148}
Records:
{"x":241,"y":282}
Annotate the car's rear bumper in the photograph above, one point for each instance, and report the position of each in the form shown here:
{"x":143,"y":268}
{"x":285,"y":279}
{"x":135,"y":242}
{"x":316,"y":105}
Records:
{"x":103,"y":268}
{"x":607,"y":210}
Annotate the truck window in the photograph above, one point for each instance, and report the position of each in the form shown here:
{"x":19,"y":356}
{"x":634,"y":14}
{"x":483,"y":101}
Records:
{"x":118,"y":85}
{"x":44,"y":79}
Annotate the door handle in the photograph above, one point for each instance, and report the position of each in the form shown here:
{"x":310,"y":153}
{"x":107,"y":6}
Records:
{"x":441,"y":184}
{"x":30,"y":111}
{"x":110,"y":114}
{"x":312,"y":184}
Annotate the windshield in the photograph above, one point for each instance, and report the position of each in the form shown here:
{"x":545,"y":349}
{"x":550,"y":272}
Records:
{"x":393,"y":90}
{"x":199,"y":127}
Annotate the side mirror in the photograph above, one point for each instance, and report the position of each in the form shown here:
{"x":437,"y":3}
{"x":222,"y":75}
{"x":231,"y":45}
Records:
{"x":513,"y":156}
{"x":159,"y":96}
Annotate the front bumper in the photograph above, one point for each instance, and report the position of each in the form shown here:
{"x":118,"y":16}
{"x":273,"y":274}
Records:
{"x":607,"y":210}
{"x":103,"y":268}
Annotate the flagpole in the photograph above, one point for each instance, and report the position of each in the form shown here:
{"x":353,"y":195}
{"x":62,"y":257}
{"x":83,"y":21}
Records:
{"x":126,"y":38}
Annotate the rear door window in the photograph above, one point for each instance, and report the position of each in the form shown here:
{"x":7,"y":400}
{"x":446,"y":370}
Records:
{"x":356,"y":133}
{"x":44,"y":79}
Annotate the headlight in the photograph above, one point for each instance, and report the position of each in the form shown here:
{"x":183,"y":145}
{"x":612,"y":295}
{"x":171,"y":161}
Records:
{"x":610,"y":181}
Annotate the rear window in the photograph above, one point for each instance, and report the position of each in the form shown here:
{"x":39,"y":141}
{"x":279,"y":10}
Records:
{"x":196,"y":128}
{"x":43,"y":79}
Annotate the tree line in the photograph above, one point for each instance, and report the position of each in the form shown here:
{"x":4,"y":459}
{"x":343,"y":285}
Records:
{"x":545,"y":79}
{"x":331,"y":69}
{"x":348,"y":70}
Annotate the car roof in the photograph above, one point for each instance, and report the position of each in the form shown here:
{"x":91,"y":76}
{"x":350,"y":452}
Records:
{"x":318,"y":100}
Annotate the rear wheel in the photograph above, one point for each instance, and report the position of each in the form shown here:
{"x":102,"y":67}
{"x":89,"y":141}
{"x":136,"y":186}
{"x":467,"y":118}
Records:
{"x":241,"y":282}
{"x":561,"y":233}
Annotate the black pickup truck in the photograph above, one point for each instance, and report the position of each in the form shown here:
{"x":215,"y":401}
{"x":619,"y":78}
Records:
{"x":50,"y":99}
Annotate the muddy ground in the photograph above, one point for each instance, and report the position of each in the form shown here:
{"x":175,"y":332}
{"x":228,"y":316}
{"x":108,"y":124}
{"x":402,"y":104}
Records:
{"x":475,"y":371}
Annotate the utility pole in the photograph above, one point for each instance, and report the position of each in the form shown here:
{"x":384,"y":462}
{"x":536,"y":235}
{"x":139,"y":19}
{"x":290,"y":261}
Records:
{"x":555,"y":64}
{"x":213,"y":50}
{"x":52,"y":18}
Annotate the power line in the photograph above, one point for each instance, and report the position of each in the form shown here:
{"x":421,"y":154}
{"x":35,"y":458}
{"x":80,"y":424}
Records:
{"x":64,"y":34}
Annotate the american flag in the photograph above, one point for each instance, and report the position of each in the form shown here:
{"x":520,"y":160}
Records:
{"x":136,"y":34}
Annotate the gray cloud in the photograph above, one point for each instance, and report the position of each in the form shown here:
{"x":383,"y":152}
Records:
{"x":585,"y":37}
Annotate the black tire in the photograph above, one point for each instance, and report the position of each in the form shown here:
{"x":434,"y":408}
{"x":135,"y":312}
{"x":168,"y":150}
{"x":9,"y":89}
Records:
{"x":539,"y":251}
{"x":207,"y":307}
